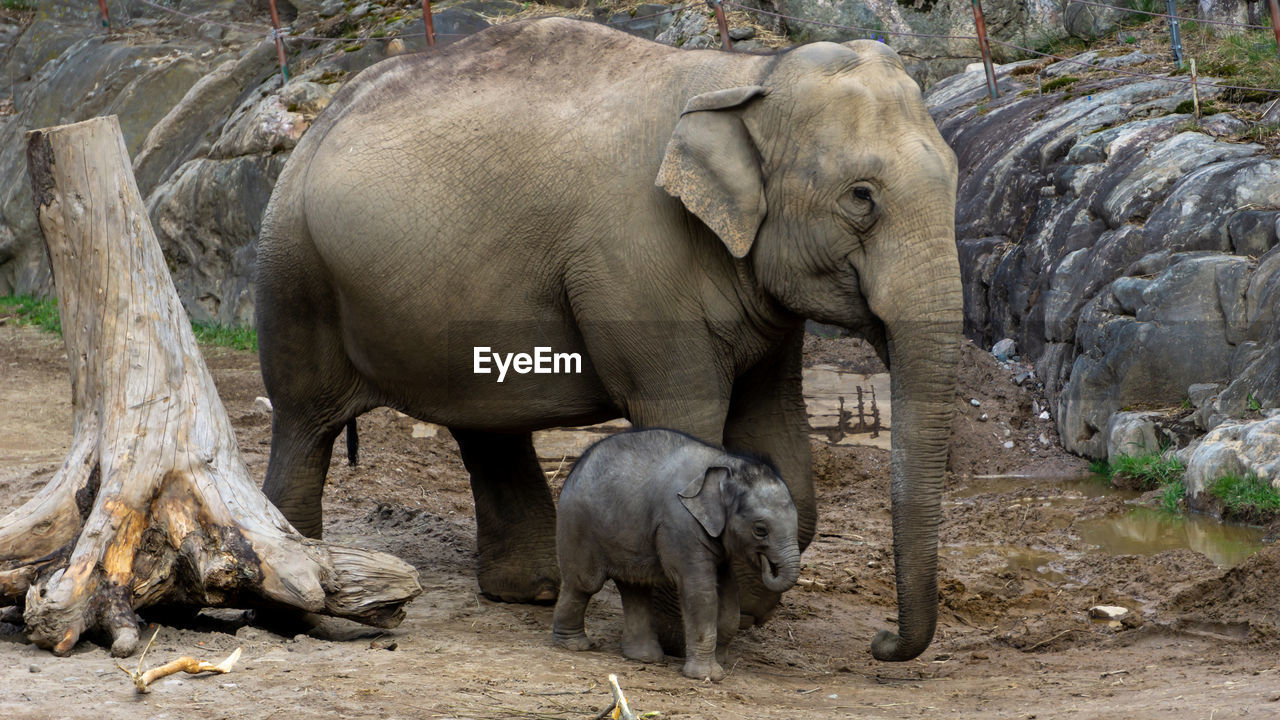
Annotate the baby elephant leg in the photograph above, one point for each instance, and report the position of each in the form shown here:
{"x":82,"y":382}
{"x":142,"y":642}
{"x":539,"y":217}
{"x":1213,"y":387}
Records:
{"x":567,"y":625}
{"x":699,"y":602}
{"x":639,"y":640}
{"x":728,"y":621}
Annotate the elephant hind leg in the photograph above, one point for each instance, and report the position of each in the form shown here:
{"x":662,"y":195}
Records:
{"x":300,"y":454}
{"x":515,"y":517}
{"x":639,"y":640}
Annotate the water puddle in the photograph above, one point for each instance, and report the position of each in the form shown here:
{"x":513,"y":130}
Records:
{"x":1046,"y":564}
{"x":1147,"y":531}
{"x":1139,"y":531}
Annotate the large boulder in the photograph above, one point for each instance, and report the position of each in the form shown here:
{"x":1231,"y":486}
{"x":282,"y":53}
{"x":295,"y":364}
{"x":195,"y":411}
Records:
{"x":1234,"y":449}
{"x":928,"y":59}
{"x":1127,"y":254}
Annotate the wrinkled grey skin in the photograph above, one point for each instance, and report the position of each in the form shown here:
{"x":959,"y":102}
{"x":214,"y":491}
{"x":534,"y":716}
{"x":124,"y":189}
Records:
{"x":651,"y":506}
{"x":673,"y":216}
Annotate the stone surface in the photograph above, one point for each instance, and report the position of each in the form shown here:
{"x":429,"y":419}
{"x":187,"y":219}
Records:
{"x":1233,"y":449}
{"x":1127,"y":257}
{"x":1090,"y":21}
{"x":692,"y":30}
{"x":928,"y":59}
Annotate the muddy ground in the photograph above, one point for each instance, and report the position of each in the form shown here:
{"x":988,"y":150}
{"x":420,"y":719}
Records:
{"x":1014,"y":639}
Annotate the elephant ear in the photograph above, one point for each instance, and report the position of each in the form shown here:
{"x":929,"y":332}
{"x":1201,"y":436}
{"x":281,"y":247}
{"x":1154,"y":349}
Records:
{"x":704,"y":499}
{"x":713,"y":166}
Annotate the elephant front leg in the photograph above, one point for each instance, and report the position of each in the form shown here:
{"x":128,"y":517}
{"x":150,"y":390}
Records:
{"x":727,"y":614}
{"x":515,"y":517}
{"x":767,"y":417}
{"x":700,"y":603}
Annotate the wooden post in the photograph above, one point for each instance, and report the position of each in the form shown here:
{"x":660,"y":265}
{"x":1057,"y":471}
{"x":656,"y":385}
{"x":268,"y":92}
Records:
{"x":1275,"y":22}
{"x":275,"y":33}
{"x":1175,"y":32}
{"x":153,"y":503}
{"x":993,"y":91}
{"x":723,"y":24}
{"x":428,"y":23}
{"x":1195,"y":90}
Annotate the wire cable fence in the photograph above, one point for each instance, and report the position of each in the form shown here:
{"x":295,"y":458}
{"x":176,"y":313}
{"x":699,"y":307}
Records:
{"x":875,"y":33}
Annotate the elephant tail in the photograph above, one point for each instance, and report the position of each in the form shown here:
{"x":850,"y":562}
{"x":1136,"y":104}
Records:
{"x":353,"y":443}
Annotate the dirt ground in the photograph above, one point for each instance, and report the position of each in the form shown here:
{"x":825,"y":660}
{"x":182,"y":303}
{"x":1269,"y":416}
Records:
{"x":1014,"y":639}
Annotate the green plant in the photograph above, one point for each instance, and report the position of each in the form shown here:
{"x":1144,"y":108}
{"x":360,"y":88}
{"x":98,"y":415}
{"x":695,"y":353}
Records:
{"x":33,"y":311}
{"x":1186,"y":403}
{"x":1247,"y":496}
{"x":43,"y":314}
{"x":1252,"y":404}
{"x":18,"y":5}
{"x":1100,"y":467}
{"x":238,"y":338}
{"x":1188,"y":106}
{"x":1171,"y":497}
{"x":1059,"y":82}
{"x":1149,"y":470}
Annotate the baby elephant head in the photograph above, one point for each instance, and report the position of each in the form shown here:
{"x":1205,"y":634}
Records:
{"x":749,"y":507}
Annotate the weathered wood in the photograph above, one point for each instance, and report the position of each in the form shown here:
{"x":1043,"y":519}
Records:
{"x":153,"y":504}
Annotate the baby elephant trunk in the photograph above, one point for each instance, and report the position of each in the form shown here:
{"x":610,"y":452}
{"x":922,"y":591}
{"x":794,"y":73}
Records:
{"x":780,"y":568}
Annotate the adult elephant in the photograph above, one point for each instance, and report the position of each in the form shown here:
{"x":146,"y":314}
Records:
{"x":670,"y":216}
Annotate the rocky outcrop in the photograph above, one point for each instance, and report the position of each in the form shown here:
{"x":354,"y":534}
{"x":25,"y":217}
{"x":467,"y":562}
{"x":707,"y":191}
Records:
{"x":1130,"y":251}
{"x":929,"y":59}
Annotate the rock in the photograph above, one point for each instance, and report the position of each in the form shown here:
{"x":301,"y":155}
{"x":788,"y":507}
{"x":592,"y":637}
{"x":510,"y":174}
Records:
{"x":262,"y":406}
{"x":1235,"y":449}
{"x":974,"y":402}
{"x":1131,"y":434}
{"x":34,"y":668}
{"x":425,"y":430}
{"x":647,"y":20}
{"x":359,"y":11}
{"x":1108,"y":612}
{"x":1044,"y":415}
{"x":1004,"y":349}
{"x":1008,"y":445}
{"x":1090,"y":22}
{"x":928,"y":60}
{"x":983,"y":417}
{"x":691,"y":30}
{"x":1201,"y":393}
{"x":331,"y":7}
{"x":738,"y":34}
{"x":1253,"y":232}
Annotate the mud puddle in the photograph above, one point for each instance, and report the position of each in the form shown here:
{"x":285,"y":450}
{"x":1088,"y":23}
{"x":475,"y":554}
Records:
{"x":1140,"y":530}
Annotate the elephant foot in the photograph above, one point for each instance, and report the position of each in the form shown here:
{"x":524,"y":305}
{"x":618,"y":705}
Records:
{"x":576,"y":643}
{"x":521,"y":584}
{"x":645,"y":651}
{"x":703,"y":670}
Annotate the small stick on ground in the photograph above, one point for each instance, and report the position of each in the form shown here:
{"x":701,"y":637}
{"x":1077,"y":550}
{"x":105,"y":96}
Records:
{"x":619,"y":710}
{"x":142,"y":680}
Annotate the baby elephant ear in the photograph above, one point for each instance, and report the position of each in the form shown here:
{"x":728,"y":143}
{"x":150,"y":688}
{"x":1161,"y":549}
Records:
{"x":704,"y":498}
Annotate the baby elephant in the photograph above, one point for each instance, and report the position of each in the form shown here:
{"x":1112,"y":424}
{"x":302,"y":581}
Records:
{"x":648,"y":506}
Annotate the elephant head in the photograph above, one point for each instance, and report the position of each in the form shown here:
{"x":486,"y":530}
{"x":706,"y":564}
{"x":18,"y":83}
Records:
{"x":830,"y":182}
{"x":749,"y":508}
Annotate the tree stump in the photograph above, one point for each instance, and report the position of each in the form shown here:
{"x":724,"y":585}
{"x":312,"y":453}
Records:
{"x":153,"y":503}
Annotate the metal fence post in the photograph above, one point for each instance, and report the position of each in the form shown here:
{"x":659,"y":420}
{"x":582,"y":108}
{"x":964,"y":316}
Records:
{"x":1175,"y":32}
{"x":723,"y":23}
{"x":428,"y":23}
{"x":1275,"y":23}
{"x":981,"y":26}
{"x":102,"y":12}
{"x":275,"y":23}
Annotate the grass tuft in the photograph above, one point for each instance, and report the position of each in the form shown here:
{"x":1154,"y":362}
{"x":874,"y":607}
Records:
{"x":1248,"y":496}
{"x":43,"y":314}
{"x":1148,"y":471}
{"x":1059,"y":82}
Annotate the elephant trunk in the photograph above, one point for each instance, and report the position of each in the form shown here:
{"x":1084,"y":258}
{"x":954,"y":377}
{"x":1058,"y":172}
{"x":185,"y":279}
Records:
{"x":779,"y":569}
{"x":924,"y":353}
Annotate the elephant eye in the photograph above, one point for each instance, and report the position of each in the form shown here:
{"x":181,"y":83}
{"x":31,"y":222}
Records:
{"x":761,"y":531}
{"x":858,"y":207}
